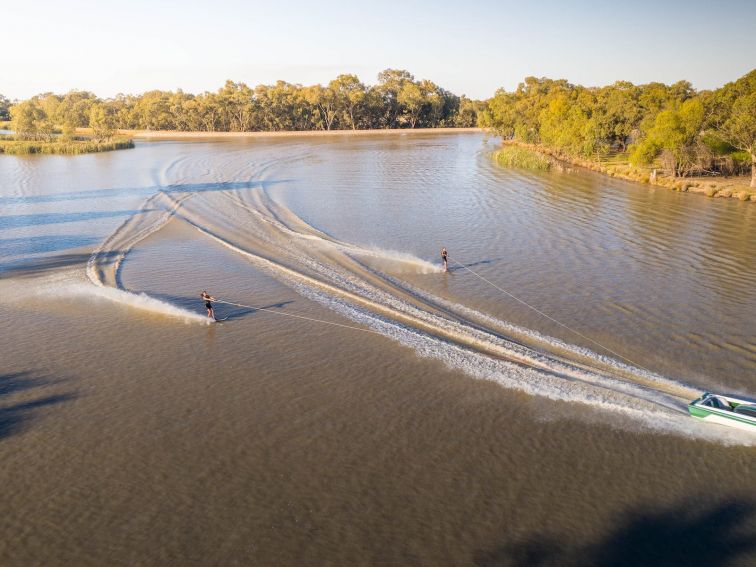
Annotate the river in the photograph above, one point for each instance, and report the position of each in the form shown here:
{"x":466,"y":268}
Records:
{"x":357,"y":404}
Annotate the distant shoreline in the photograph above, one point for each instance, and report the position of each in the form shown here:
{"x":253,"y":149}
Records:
{"x":179,"y":134}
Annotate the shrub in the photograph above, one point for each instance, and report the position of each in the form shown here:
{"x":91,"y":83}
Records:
{"x":514,"y":156}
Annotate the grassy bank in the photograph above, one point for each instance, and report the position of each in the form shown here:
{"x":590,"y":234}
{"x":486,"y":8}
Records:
{"x":619,"y":167}
{"x":67,"y":147}
{"x":517,"y":156}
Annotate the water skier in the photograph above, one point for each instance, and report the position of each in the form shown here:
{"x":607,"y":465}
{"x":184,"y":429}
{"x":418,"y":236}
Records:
{"x":445,"y":258}
{"x":207,"y":298}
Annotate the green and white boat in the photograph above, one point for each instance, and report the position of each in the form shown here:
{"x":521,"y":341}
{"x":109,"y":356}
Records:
{"x":725,"y":410}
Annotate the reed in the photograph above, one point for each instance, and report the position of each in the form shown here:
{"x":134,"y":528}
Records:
{"x":10,"y":146}
{"x":515,"y":156}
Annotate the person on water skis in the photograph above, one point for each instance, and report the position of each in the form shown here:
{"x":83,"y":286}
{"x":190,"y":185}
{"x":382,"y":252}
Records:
{"x":445,"y":258}
{"x":207,"y":298}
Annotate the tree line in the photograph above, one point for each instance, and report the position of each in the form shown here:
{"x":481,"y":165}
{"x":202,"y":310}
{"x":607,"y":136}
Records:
{"x":685,"y":131}
{"x":396,"y":101}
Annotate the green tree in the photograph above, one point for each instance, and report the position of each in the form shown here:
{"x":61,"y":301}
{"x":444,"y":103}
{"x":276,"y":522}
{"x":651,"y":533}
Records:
{"x":740,"y":128}
{"x":350,"y":94}
{"x":673,"y":134}
{"x":390,"y":84}
{"x":468,"y":112}
{"x":325,"y":100}
{"x":236,"y":99}
{"x":411,"y":100}
{"x":101,"y":121}
{"x":152,"y":111}
{"x":74,"y":108}
{"x":617,"y":114}
{"x":29,"y":121}
{"x":732,"y":115}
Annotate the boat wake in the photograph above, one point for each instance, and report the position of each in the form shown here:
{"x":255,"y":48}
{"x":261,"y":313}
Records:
{"x":365,"y":285}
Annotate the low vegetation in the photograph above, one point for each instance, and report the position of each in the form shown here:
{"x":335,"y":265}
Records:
{"x":10,"y":145}
{"x":517,"y":156}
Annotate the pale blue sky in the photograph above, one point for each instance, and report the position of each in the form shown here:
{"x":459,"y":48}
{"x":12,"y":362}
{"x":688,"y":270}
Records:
{"x":468,"y":47}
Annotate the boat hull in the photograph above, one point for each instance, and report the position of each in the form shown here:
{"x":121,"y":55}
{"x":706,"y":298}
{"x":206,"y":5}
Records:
{"x":721,"y":416}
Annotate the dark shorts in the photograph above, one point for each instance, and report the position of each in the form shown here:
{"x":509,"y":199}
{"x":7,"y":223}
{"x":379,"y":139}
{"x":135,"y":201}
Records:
{"x":208,"y":305}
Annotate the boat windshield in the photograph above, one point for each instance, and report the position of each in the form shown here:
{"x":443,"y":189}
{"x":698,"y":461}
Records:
{"x":717,"y":402}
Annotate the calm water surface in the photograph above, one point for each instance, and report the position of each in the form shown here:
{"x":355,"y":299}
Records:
{"x":438,"y":420}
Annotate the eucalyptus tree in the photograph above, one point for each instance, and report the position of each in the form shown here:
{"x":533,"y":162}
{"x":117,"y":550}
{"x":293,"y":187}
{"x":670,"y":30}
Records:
{"x":325,"y":100}
{"x":27,"y":120}
{"x":102,"y":121}
{"x":350,"y":95}
{"x":733,"y":116}
{"x":236,"y":100}
{"x":74,"y":108}
{"x":673,"y":136}
{"x":390,"y":84}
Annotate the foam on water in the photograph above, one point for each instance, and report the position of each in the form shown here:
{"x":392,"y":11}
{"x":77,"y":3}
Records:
{"x":391,"y":260}
{"x":538,"y":383}
{"x":667,"y":384}
{"x":140,"y":301}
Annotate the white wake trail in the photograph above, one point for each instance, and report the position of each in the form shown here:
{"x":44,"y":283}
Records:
{"x":103,"y":267}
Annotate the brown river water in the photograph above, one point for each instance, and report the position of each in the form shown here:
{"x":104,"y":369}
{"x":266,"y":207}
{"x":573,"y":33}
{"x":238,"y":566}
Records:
{"x":526,"y":408}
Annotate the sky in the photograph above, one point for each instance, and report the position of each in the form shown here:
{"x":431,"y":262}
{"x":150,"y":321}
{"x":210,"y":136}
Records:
{"x":472,"y":47}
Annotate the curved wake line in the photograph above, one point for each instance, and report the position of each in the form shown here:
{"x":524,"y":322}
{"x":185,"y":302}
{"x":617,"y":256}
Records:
{"x":140,"y":301}
{"x":104,"y":265}
{"x":535,"y":382}
{"x":417,"y":265}
{"x":672,"y":387}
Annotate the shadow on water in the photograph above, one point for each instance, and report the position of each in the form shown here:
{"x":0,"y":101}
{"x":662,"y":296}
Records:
{"x":33,"y":267}
{"x":42,"y":244}
{"x":456,"y":266}
{"x":38,"y":219}
{"x":16,"y":416}
{"x":222,"y":311}
{"x":241,"y":312}
{"x":140,"y":191}
{"x":689,"y":534}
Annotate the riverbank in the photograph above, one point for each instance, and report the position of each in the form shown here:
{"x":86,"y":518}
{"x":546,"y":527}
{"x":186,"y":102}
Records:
{"x":64,"y":147}
{"x":184,"y":135}
{"x":724,"y":187}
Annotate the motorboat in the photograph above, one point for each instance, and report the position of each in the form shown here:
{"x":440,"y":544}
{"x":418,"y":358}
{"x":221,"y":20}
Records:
{"x":725,"y":410}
